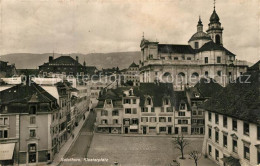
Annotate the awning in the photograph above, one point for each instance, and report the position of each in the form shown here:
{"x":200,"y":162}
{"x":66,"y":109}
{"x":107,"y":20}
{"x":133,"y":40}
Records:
{"x":133,"y":127}
{"x":6,"y":151}
{"x":231,"y":161}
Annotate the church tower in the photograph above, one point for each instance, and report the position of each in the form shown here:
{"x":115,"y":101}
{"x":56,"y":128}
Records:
{"x":215,"y":30}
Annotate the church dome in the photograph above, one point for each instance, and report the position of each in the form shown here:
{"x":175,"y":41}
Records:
{"x":200,"y":36}
{"x":214,"y":17}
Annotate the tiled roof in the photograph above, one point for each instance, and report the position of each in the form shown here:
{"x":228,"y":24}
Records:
{"x":180,"y":96}
{"x":256,"y":66}
{"x":208,"y":87}
{"x":239,"y":100}
{"x":209,"y":46}
{"x":174,"y":48}
{"x":63,"y":60}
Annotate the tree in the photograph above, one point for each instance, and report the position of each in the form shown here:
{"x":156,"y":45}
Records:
{"x":195,"y":155}
{"x":181,"y":143}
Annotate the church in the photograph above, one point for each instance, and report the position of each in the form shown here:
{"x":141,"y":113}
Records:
{"x":183,"y":65}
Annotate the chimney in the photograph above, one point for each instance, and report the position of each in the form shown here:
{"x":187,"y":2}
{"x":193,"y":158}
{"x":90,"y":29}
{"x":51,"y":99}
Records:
{"x":77,"y":58}
{"x":50,"y":58}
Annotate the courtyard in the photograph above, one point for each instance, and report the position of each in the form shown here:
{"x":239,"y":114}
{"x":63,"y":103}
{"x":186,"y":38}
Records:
{"x":136,"y":150}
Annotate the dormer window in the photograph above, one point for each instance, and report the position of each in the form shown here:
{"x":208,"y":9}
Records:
{"x":196,"y":45}
{"x":32,"y":110}
{"x":166,"y":101}
{"x":197,"y":95}
{"x":148,"y":101}
{"x":182,"y":106}
{"x":108,"y":101}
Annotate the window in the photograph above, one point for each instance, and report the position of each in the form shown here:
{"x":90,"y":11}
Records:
{"x":184,"y":129}
{"x":144,"y":119}
{"x":189,"y":58}
{"x":182,"y":106}
{"x":3,"y":133}
{"x":169,"y":109}
{"x":246,"y":152}
{"x":162,"y":119}
{"x":115,"y":113}
{"x":217,"y":155}
{"x":181,"y":113}
{"x":104,"y":121}
{"x":166,"y":101}
{"x":32,"y":110}
{"x":162,"y":129}
{"x":153,"y":119}
{"x":4,"y":121}
{"x":149,"y":101}
{"x":209,"y":116}
{"x":175,"y":58}
{"x":32,"y":147}
{"x":210,"y":150}
{"x":218,"y":39}
{"x":134,"y":111}
{"x":134,"y":101}
{"x":194,"y":112}
{"x":219,"y":73}
{"x":144,"y":109}
{"x":199,"y":112}
{"x":258,"y":132}
{"x":206,"y":73}
{"x":32,"y":133}
{"x":210,"y":133}
{"x":216,"y":136}
{"x":104,"y":113}
{"x":135,"y":121}
{"x":196,"y":45}
{"x":152,"y":109}
{"x":206,"y":59}
{"x":108,"y":101}
{"x":218,"y":59}
{"x":32,"y":120}
{"x":234,"y":146}
{"x":127,"y":101}
{"x":225,"y":122}
{"x":246,"y":128}
{"x":225,"y":141}
{"x":128,"y":111}
{"x":169,"y":119}
{"x":216,"y":118}
{"x":234,"y":125}
{"x":115,"y":121}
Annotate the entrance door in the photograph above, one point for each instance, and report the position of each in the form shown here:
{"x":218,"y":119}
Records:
{"x":126,"y":130}
{"x":176,"y":130}
{"x":109,"y":129}
{"x":169,"y":130}
{"x":144,"y":130}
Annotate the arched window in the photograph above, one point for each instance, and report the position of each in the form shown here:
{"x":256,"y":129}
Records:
{"x":217,"y":39}
{"x":167,"y":77}
{"x":195,"y":74}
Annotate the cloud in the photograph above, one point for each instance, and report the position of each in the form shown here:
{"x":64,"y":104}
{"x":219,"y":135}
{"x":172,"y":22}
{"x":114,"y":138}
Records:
{"x":67,"y":26}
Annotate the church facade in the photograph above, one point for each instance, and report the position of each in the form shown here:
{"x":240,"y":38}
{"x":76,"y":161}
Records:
{"x":182,"y":65}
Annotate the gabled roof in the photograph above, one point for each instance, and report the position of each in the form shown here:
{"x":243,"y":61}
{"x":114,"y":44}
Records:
{"x":179,"y":97}
{"x":208,"y":87}
{"x":210,"y":46}
{"x":63,"y":60}
{"x":133,"y":65}
{"x":239,"y":100}
{"x":174,"y":48}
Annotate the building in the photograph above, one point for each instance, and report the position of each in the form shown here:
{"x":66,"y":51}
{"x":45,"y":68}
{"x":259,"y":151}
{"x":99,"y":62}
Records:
{"x":65,"y":66}
{"x":204,"y":55}
{"x":26,"y":116}
{"x":232,"y":123}
{"x":147,"y":109}
{"x":7,"y":70}
{"x":131,"y":75}
{"x":196,"y":96}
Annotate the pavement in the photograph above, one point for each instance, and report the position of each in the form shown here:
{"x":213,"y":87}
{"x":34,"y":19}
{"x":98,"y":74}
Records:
{"x":70,"y":141}
{"x":190,"y":162}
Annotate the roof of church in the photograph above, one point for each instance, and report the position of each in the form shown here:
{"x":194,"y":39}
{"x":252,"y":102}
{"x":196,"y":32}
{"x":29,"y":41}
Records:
{"x":214,"y":17}
{"x":63,"y":60}
{"x":175,"y":48}
{"x":200,"y":36}
{"x":209,"y":46}
{"x":239,"y":100}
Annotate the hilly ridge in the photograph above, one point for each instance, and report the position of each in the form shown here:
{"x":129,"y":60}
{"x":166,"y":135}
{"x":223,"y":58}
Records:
{"x":100,"y":60}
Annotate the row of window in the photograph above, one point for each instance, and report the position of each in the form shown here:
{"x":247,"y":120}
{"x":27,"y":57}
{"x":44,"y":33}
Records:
{"x":246,"y":126}
{"x":206,"y":59}
{"x":4,"y":121}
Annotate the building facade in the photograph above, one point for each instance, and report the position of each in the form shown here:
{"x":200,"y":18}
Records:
{"x":204,"y":56}
{"x":232,"y":135}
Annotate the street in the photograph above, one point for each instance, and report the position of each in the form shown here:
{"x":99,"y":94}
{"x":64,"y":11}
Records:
{"x":81,"y":146}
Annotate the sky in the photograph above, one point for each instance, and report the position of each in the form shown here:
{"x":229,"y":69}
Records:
{"x":99,"y":26}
